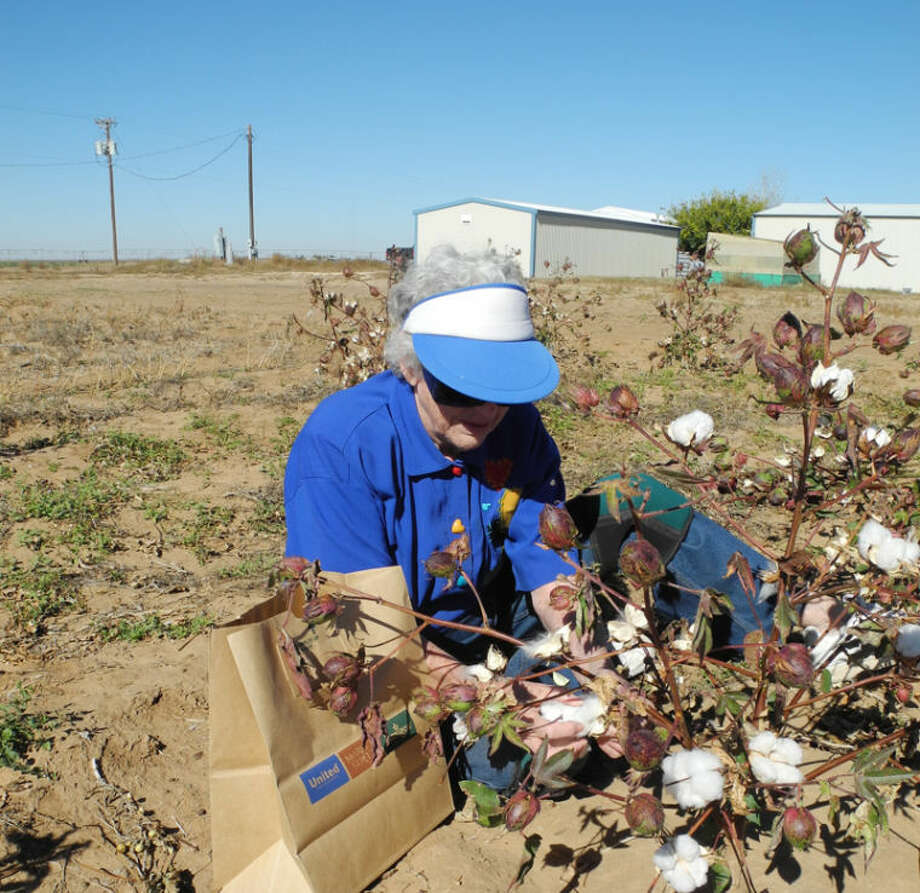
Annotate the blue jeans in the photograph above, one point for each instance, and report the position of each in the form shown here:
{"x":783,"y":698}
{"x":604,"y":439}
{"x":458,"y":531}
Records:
{"x":700,"y":563}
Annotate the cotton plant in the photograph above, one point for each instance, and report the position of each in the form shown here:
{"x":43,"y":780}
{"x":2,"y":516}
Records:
{"x":843,"y":468}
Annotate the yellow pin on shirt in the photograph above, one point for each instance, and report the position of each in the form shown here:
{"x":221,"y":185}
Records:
{"x":457,"y":526}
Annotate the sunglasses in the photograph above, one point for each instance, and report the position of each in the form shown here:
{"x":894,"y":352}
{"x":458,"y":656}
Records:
{"x":446,"y":395}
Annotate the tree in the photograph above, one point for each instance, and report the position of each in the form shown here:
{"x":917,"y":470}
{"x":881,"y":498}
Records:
{"x":718,"y":212}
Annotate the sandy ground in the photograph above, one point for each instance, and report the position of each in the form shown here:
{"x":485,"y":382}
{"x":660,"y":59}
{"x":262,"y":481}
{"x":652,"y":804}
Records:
{"x":213,"y":364}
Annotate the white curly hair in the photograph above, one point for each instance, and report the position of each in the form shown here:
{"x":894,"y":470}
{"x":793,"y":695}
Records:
{"x":445,"y":269}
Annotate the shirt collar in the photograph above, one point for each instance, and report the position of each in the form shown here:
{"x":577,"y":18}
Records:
{"x":422,"y":456}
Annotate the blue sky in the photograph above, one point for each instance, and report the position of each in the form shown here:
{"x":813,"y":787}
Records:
{"x":363,"y":112}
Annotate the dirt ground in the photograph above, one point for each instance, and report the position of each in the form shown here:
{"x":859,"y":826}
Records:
{"x":144,"y":424}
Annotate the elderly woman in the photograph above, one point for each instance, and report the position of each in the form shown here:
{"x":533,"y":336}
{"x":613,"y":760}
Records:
{"x":447,"y":442}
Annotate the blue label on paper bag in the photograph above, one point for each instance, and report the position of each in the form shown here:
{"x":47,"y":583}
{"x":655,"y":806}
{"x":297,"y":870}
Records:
{"x":324,"y":778}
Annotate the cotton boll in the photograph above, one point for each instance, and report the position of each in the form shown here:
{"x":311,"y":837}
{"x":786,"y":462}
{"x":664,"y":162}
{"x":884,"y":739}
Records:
{"x":460,"y":729}
{"x":692,"y":429}
{"x":787,"y":751}
{"x":549,"y":644}
{"x":694,"y":777}
{"x":908,"y":642}
{"x":635,"y":615}
{"x":479,"y":672}
{"x":837,"y":381}
{"x":886,"y":551}
{"x":589,"y":712}
{"x":775,"y":760}
{"x":634,"y":660}
{"x":682,"y":864}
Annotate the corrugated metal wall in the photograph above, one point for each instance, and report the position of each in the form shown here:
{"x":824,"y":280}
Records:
{"x":474,"y":226}
{"x":604,"y":248}
{"x":901,"y":236}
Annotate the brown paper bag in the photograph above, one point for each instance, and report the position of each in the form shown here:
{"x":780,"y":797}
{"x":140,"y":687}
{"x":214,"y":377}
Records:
{"x":295,"y":801}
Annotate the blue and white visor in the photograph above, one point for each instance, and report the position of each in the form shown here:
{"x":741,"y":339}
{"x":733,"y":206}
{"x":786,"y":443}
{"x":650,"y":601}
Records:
{"x":480,"y":341}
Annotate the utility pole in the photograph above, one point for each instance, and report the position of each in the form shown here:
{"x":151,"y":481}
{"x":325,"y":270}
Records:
{"x":253,"y":251}
{"x":108,"y":148}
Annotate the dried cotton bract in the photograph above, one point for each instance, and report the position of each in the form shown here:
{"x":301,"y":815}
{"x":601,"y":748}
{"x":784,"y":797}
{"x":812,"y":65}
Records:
{"x":496,"y":661}
{"x":775,"y":760}
{"x":694,"y":777}
{"x":691,"y":430}
{"x":682,"y":864}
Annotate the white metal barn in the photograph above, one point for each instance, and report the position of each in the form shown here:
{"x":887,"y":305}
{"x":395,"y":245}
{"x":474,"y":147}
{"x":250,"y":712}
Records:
{"x":897,"y":224}
{"x":607,"y":242}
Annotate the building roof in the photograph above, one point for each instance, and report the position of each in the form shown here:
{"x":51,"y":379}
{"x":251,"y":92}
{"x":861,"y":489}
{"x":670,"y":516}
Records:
{"x":630,"y":214}
{"x":609,"y":212}
{"x":823,"y":209}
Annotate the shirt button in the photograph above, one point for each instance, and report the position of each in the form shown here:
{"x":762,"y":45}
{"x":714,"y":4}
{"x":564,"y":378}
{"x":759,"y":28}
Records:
{"x":456,"y":470}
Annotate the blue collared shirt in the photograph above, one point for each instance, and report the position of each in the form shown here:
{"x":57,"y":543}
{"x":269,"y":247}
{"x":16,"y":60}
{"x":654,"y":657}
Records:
{"x":366,"y":487}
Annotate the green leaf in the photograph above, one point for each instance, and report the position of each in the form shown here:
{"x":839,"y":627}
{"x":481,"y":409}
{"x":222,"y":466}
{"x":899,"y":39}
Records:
{"x":721,"y":876}
{"x":784,"y":617}
{"x":558,"y":763}
{"x":507,"y":729}
{"x":582,"y":615}
{"x":826,"y":680}
{"x":702,"y":636}
{"x":488,"y":808}
{"x":728,"y":702}
{"x":888,"y":776}
{"x":753,"y":807}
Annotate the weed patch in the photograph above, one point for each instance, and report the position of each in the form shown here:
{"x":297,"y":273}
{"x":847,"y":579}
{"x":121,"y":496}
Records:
{"x":22,"y":731}
{"x":209,"y":521}
{"x":154,"y":459}
{"x":256,"y":566}
{"x":82,"y":500}
{"x":154,"y":626}
{"x":223,"y":433}
{"x":34,"y":593}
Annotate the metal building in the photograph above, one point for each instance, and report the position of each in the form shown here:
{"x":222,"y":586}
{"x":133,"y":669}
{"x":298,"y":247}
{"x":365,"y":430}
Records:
{"x":897,"y":224}
{"x":609,"y":241}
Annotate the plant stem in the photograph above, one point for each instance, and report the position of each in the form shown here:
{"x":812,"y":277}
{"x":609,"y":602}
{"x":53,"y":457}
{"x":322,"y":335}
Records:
{"x":348,"y":592}
{"x":837,"y":761}
{"x":683,"y":730}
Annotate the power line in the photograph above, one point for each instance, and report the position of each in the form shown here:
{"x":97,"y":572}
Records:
{"x":200,"y":167}
{"x":239,"y":133}
{"x":17,"y":108}
{"x":46,"y":163}
{"x":209,"y":139}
